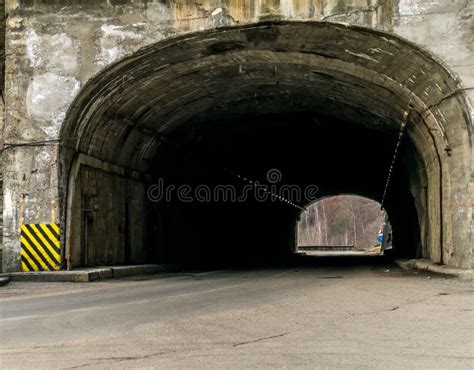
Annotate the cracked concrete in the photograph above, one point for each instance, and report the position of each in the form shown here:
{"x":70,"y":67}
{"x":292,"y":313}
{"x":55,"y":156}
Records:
{"x":372,"y":317}
{"x":347,"y":15}
{"x":54,"y":50}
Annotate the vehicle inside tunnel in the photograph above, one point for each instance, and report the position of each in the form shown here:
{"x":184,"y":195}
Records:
{"x":148,"y":142}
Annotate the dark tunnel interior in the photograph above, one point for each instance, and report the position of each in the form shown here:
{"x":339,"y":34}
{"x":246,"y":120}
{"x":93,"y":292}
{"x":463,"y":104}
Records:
{"x":306,"y":148}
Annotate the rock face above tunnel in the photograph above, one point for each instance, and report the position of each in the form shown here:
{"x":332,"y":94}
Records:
{"x":56,"y":46}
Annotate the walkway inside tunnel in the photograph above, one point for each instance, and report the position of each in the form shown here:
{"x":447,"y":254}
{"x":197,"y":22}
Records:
{"x":228,"y":108}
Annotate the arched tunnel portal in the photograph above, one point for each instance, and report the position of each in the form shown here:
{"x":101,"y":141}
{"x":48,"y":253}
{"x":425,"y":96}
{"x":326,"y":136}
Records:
{"x":321,"y":103}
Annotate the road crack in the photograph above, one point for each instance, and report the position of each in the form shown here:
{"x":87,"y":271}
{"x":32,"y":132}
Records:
{"x":259,"y":340}
{"x":102,"y":360}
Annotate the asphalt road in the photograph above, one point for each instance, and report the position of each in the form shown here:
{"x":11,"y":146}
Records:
{"x":299,"y":317}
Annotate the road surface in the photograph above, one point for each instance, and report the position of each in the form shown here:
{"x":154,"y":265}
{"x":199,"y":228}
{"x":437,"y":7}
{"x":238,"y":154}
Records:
{"x":294,"y":317}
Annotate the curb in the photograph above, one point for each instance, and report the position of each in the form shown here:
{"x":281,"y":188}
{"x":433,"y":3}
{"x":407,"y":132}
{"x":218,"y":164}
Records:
{"x":4,"y":281}
{"x":427,"y":265}
{"x":87,"y":275}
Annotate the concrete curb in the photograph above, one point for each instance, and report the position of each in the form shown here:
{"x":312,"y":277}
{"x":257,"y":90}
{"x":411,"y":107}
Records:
{"x":427,"y":265}
{"x":4,"y":281}
{"x":88,"y":275}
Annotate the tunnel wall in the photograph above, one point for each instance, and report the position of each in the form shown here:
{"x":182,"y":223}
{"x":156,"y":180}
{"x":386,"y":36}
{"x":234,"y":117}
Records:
{"x":53,"y":48}
{"x":111,"y":205}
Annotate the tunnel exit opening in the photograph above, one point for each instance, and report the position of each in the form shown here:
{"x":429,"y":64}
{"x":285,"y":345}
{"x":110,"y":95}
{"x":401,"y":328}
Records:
{"x":217,"y":109}
{"x":344,"y":225}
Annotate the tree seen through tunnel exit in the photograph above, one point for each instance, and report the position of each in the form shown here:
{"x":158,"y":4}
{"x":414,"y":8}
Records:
{"x":343,"y":220}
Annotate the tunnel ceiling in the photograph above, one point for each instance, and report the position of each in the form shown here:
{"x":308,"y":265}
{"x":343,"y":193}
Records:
{"x":348,"y":73}
{"x":306,"y":148}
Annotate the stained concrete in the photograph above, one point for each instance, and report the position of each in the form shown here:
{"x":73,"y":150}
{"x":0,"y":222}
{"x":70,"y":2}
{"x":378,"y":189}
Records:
{"x":427,"y":265}
{"x":55,"y":48}
{"x":86,"y":274}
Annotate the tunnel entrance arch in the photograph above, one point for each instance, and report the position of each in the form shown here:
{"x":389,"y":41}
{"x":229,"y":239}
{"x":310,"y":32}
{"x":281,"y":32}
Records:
{"x":249,"y":98}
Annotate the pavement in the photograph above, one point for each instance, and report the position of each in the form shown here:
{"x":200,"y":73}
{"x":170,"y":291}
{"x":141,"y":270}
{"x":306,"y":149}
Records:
{"x":340,"y":253}
{"x":427,"y":265}
{"x":308,"y":316}
{"x":4,"y":281}
{"x":90,"y":274}
{"x":87,"y":274}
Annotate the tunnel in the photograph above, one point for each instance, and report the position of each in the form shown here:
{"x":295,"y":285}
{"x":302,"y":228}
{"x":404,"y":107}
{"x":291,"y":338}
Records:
{"x":321,"y":105}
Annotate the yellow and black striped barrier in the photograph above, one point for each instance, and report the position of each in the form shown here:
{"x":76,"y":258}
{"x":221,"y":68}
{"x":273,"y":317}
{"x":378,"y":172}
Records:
{"x":40,"y":247}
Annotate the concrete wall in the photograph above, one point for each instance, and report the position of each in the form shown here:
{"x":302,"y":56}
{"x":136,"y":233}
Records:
{"x":2,"y":111}
{"x":54,"y":47}
{"x":109,"y":202}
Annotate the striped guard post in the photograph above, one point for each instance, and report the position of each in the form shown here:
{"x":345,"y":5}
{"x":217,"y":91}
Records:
{"x":40,"y":247}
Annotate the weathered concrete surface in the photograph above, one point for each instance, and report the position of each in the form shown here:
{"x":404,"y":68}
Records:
{"x":86,"y":274}
{"x":306,"y":317}
{"x":2,"y":112}
{"x":53,"y":48}
{"x":4,"y":281}
{"x":427,"y":265}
